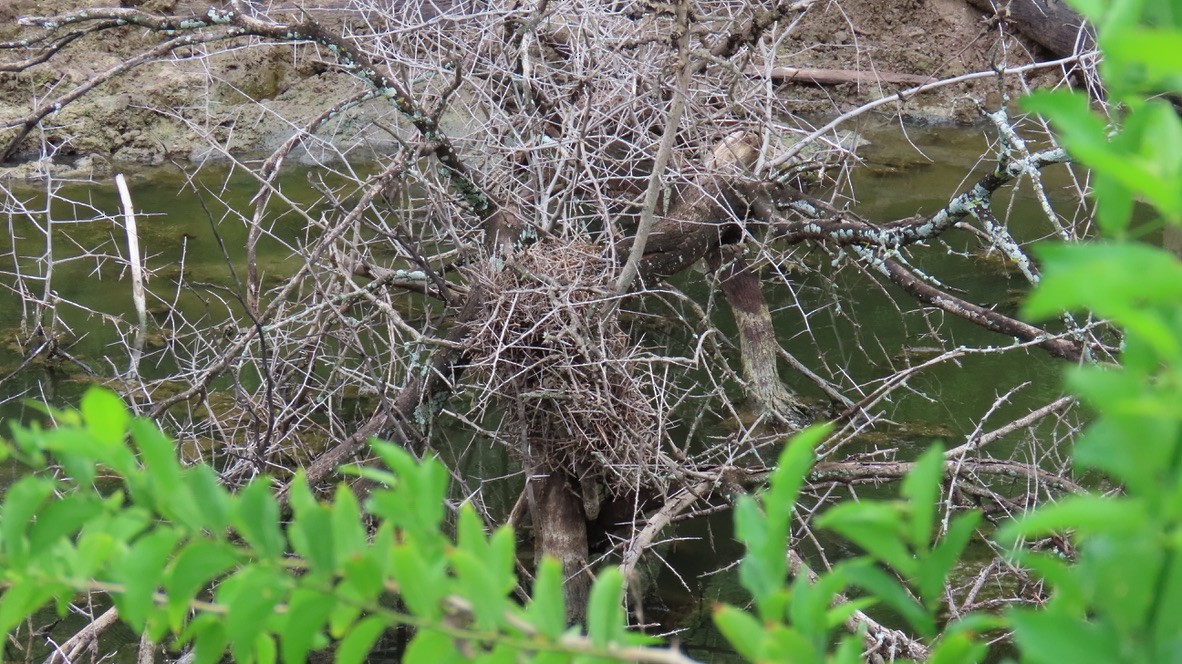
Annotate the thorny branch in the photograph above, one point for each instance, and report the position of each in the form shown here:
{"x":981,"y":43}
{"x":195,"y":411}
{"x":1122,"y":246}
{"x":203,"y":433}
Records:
{"x":539,"y":155}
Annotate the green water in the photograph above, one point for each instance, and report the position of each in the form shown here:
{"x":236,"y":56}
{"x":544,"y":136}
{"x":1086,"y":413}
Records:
{"x":192,"y":233}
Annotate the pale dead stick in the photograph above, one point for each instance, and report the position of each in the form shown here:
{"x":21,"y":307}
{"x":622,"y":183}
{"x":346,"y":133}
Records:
{"x":137,"y":271}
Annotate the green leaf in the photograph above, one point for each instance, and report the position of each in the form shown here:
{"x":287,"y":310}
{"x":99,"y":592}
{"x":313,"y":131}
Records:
{"x":550,"y":657}
{"x":838,"y":615}
{"x":884,"y":587}
{"x":485,"y":592}
{"x":502,"y":653}
{"x":944,"y":556}
{"x":21,"y":600}
{"x":1108,"y":278}
{"x":958,"y":649}
{"x":159,"y":452}
{"x":209,"y":638}
{"x":309,"y":527}
{"x":251,"y":597}
{"x":784,"y":644}
{"x":264,"y":649}
{"x":763,"y":569}
{"x":421,"y":491}
{"x":1069,"y":593}
{"x":342,"y":618}
{"x":876,"y":527}
{"x":1158,"y":130}
{"x":105,"y":415}
{"x":257,"y":518}
{"x":94,"y":549}
{"x":431,"y":647}
{"x":1084,"y":513}
{"x":1050,"y":637}
{"x":217,"y":505}
{"x":421,"y":582}
{"x":360,"y":641}
{"x":141,"y":572}
{"x":794,"y":464}
{"x":307,"y":614}
{"x":1123,"y":599}
{"x":809,"y":605}
{"x":22,"y":500}
{"x":81,"y":468}
{"x":364,"y":576}
{"x":849,"y":650}
{"x":605,"y":608}
{"x":974,"y":624}
{"x":547,"y":610}
{"x":1129,"y":161}
{"x":376,"y":475}
{"x":1130,"y":448}
{"x":470,"y":531}
{"x":742,"y":631}
{"x":921,"y":488}
{"x":60,"y":519}
{"x":198,"y":563}
{"x":1158,"y":54}
{"x":502,"y":558}
{"x":348,"y":532}
{"x":1114,"y":204}
{"x":162,"y":485}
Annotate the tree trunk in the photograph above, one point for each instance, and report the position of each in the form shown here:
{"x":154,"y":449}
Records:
{"x":759,"y":349}
{"x":704,"y":223}
{"x":1049,"y":23}
{"x":560,"y":531}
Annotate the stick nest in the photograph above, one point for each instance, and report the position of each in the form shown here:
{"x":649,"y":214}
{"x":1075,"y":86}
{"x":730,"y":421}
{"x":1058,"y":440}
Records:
{"x":575,"y":394}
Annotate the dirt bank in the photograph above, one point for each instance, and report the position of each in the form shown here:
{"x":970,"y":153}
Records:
{"x":248,"y":98}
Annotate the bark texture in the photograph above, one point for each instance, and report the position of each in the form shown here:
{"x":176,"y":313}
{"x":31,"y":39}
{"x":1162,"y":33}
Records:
{"x":560,"y":530}
{"x":759,"y":350}
{"x":1051,"y":24}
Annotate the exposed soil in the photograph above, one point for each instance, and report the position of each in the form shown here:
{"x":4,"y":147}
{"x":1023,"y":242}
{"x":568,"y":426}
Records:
{"x":170,"y":110}
{"x":931,"y":38}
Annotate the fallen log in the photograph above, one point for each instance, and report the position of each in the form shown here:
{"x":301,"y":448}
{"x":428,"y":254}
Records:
{"x":1051,"y":24}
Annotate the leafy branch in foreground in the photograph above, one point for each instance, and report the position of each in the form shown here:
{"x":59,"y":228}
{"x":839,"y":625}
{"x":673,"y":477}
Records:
{"x":180,"y":554}
{"x":1119,"y":599}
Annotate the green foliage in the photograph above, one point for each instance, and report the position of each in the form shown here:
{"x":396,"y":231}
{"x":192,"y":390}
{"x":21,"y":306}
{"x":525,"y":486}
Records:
{"x":181,"y":555}
{"x":1142,"y":157}
{"x":799,"y":622}
{"x":1121,"y":598}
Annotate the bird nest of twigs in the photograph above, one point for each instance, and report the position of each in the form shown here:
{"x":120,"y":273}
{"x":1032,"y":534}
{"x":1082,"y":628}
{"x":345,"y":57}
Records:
{"x":573,"y":392}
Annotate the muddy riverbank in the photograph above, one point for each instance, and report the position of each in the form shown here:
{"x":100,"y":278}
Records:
{"x":207,"y":102}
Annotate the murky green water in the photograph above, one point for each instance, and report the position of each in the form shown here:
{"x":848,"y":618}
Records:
{"x":198,"y":236}
{"x":186,"y":235}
